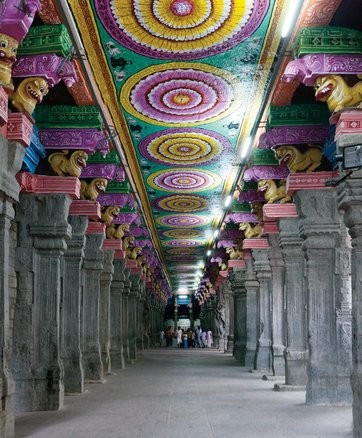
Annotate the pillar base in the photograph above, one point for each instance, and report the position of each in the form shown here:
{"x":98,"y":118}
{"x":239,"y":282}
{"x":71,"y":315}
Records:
{"x":250,"y":356}
{"x":73,"y":376}
{"x":356,"y":382}
{"x":118,"y":361}
{"x":329,"y":391}
{"x":295,"y":372}
{"x":279,"y":387}
{"x":264,"y":359}
{"x":239,"y":352}
{"x":93,"y":368}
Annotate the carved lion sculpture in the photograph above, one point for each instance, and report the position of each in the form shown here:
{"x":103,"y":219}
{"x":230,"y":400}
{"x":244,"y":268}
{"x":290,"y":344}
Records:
{"x":109,"y":213}
{"x":29,"y":93}
{"x":63,"y":165}
{"x":93,"y":189}
{"x":116,"y":232}
{"x":274,"y":193}
{"x":140,"y":259}
{"x":8,"y":50}
{"x":234,"y":253}
{"x":126,"y":242}
{"x":132,"y":253}
{"x":223,"y":266}
{"x":257,"y":209}
{"x":298,"y":161}
{"x":334,"y":90}
{"x":251,"y":231}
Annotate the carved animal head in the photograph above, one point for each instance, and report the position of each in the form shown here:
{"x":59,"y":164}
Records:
{"x":8,"y":48}
{"x":285,"y":154}
{"x":93,"y":189}
{"x":264,"y":184}
{"x":62,"y":165}
{"x":124,"y":227}
{"x":79,"y":159}
{"x":257,"y":209}
{"x":244,"y":226}
{"x":29,"y":93}
{"x":109,"y":214}
{"x":325,"y":85}
{"x":127,"y":241}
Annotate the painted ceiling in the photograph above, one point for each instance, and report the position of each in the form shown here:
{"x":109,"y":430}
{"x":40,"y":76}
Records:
{"x":184,"y":81}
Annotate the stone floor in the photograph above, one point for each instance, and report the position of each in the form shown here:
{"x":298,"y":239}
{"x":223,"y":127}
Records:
{"x":172,"y":393}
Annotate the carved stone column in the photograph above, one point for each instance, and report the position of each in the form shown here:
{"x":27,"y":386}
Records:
{"x":324,"y":248}
{"x":252,"y":313}
{"x":133,"y":316}
{"x":11,"y":154}
{"x":237,"y":280}
{"x":125,"y":311}
{"x":116,"y":315}
{"x":277,"y":305}
{"x":92,"y":268}
{"x":43,"y":228}
{"x":229,"y":317}
{"x":71,"y":308}
{"x":350,"y":202}
{"x":295,"y":303}
{"x":140,"y":332}
{"x":263,"y":272}
{"x":105,"y":309}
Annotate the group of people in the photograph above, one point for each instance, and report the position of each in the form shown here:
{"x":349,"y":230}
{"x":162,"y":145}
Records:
{"x":187,"y":338}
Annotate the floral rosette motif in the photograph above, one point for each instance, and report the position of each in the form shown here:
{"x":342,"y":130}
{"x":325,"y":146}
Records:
{"x":179,"y":93}
{"x":181,"y":29}
{"x":183,"y":220}
{"x":181,"y":203}
{"x":184,"y":146}
{"x":184,"y":180}
{"x":182,"y":233}
{"x":182,"y":242}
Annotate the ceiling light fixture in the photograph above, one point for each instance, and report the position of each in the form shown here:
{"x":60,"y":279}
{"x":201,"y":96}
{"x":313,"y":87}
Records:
{"x":208,"y":253}
{"x":227,"y":201}
{"x":290,"y":16}
{"x":246,"y":147}
{"x":216,"y":233}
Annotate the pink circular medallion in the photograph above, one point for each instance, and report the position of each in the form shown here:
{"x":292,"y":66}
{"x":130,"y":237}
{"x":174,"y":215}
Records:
{"x":182,"y":7}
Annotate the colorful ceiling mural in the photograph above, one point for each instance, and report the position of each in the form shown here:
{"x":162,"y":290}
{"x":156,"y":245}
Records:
{"x":184,"y":81}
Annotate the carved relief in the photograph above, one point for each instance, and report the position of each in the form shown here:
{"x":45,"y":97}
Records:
{"x":234,"y":252}
{"x":298,"y":161}
{"x":109,"y":213}
{"x":126,"y":242}
{"x":93,"y":189}
{"x":132,"y":253}
{"x":116,"y":232}
{"x":63,"y":165}
{"x":251,"y":231}
{"x":29,"y":93}
{"x":8,"y":50}
{"x":273,"y":192}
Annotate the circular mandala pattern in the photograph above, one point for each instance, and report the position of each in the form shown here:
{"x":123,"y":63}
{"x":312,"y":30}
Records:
{"x":189,"y":251}
{"x":183,"y":220}
{"x":180,"y":93}
{"x":184,"y":180}
{"x":182,"y":233}
{"x":182,"y":242}
{"x":184,"y":146}
{"x":180,"y":29}
{"x":179,"y":258}
{"x":181,"y":203}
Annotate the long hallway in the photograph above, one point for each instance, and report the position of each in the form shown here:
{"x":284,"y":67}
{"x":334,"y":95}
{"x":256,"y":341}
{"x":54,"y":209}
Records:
{"x":171,"y":393}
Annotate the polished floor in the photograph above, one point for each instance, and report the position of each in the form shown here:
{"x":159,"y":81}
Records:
{"x":176,"y":393}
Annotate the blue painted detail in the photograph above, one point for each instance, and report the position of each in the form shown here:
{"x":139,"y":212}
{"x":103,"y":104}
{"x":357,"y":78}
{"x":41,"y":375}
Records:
{"x":34,"y":152}
{"x":329,"y":147}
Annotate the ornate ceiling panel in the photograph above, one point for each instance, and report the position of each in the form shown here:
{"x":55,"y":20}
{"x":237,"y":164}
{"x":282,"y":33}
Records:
{"x":184,"y":81}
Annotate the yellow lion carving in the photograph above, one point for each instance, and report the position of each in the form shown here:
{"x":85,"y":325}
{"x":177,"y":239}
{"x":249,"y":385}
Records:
{"x":29,"y":93}
{"x":63,"y":165}
{"x":116,"y":232}
{"x":126,"y":242}
{"x":334,"y":90}
{"x":234,"y":253}
{"x":109,"y":213}
{"x":251,"y":231}
{"x":8,"y":50}
{"x":298,"y":161}
{"x":132,"y":253}
{"x":274,"y":193}
{"x":93,"y":189}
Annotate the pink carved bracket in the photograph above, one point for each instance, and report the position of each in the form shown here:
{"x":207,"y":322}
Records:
{"x":96,"y":228}
{"x":43,"y":184}
{"x":255,"y":244}
{"x":274,"y":211}
{"x":309,"y":181}
{"x":3,"y":107}
{"x":82,"y":207}
{"x":19,"y":128}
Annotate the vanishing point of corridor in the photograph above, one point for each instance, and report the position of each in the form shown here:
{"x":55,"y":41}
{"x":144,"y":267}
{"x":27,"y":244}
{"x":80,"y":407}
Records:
{"x":172,"y":393}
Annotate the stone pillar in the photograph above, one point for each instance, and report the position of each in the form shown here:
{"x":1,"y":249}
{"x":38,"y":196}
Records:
{"x":191,"y":316}
{"x":252,"y":312}
{"x":263,"y":272}
{"x":105,"y":309}
{"x":295,"y":303}
{"x":147,"y":315}
{"x":140,"y":333}
{"x":176,"y":314}
{"x":71,"y":307}
{"x":229,"y":317}
{"x":125,"y":313}
{"x":116,"y":314}
{"x":43,"y":228}
{"x":277,"y":305}
{"x":350,"y":202}
{"x":133,"y":316}
{"x":11,"y":154}
{"x":237,"y":280}
{"x":92,"y":268}
{"x":324,"y":249}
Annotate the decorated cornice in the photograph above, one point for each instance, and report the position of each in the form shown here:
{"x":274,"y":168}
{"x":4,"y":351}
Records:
{"x":309,"y":181}
{"x":16,"y":21}
{"x":95,"y":228}
{"x":108,"y":171}
{"x":275,"y":211}
{"x":119,"y":199}
{"x":68,"y":116}
{"x":251,"y":195}
{"x":255,"y":243}
{"x":297,"y":115}
{"x":309,"y":67}
{"x":263,"y":157}
{"x":3,"y":107}
{"x":127,"y":218}
{"x":270,"y":227}
{"x":86,"y":139}
{"x":139,"y":231}
{"x":286,"y":135}
{"x":19,"y":128}
{"x":327,"y":39}
{"x":242,"y":207}
{"x":265,"y":172}
{"x":51,"y":67}
{"x":349,"y":123}
{"x":237,"y":264}
{"x":49,"y":13}
{"x":111,"y":244}
{"x":225,"y":243}
{"x":241,"y":217}
{"x":230,"y":234}
{"x":33,"y":153}
{"x":118,"y":187}
{"x":111,"y":158}
{"x":43,"y":184}
{"x":80,"y":90}
{"x":53,"y":38}
{"x":82,"y":207}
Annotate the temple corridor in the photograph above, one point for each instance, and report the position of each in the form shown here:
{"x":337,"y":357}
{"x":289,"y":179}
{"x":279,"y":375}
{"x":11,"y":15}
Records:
{"x":171,"y":393}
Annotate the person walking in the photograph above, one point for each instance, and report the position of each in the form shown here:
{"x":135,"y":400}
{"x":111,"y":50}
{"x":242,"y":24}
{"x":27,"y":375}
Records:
{"x":203,"y":339}
{"x":179,"y":337}
{"x":209,"y":338}
{"x":168,"y":336}
{"x":162,"y":336}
